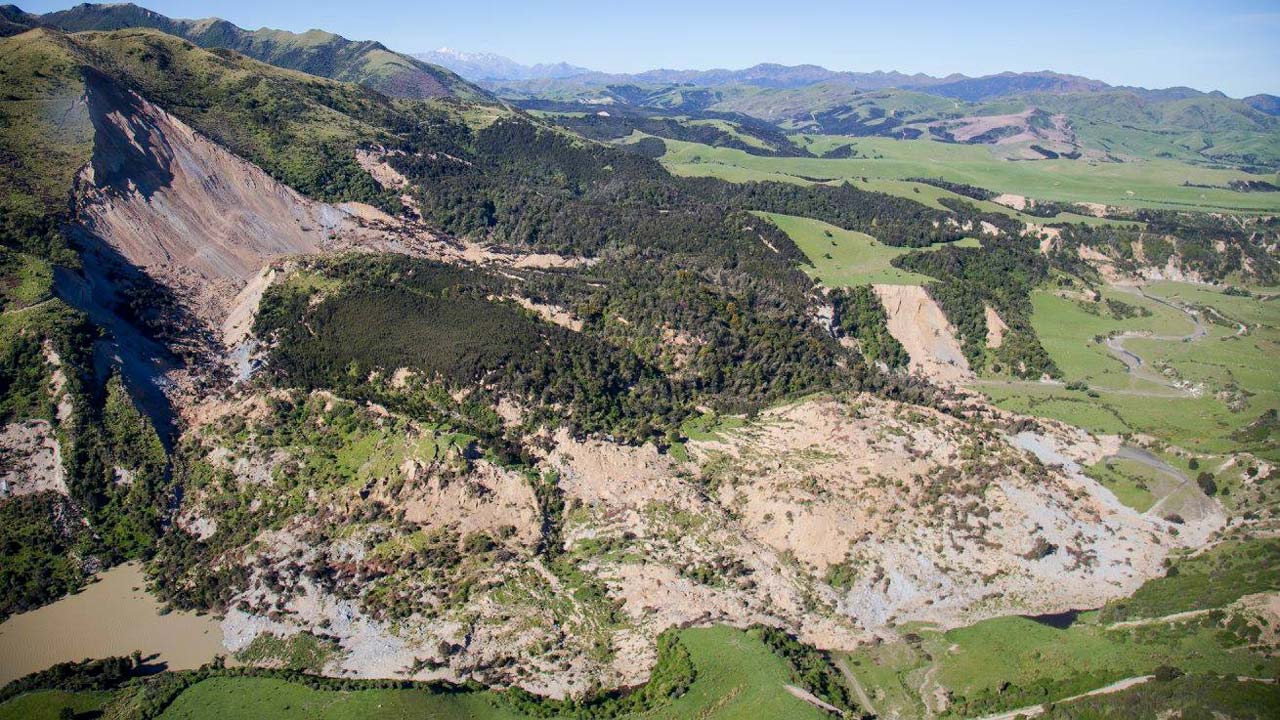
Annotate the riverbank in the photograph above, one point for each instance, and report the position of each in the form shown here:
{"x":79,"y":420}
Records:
{"x":113,"y":616}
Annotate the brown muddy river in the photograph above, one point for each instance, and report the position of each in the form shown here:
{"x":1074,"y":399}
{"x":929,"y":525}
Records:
{"x":113,"y":616}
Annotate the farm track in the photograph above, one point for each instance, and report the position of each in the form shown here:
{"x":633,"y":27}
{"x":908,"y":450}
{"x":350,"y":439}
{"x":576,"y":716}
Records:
{"x":1034,"y":710}
{"x":1162,"y":620}
{"x":863,"y":698}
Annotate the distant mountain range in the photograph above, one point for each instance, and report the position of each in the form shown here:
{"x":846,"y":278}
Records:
{"x":446,"y":72}
{"x":496,"y":72}
{"x":314,"y":52}
{"x":1092,"y":117}
{"x":432,"y":74}
{"x":478,"y":67}
{"x":491,"y":68}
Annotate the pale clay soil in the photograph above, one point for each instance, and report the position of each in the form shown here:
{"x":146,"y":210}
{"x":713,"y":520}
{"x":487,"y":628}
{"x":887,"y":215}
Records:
{"x":207,"y":223}
{"x":917,"y":322}
{"x":30,"y":459}
{"x":966,"y":129}
{"x":809,"y":487}
{"x":857,"y":483}
{"x":30,"y":453}
{"x":996,"y":328}
{"x":1145,"y":272}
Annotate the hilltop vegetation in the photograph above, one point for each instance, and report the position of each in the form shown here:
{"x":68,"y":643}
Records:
{"x":396,"y":313}
{"x":314,"y":52}
{"x":1001,"y":274}
{"x":1214,"y":249}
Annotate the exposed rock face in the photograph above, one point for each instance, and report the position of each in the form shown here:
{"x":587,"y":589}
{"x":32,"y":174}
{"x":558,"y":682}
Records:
{"x":917,"y":322}
{"x":183,"y":209}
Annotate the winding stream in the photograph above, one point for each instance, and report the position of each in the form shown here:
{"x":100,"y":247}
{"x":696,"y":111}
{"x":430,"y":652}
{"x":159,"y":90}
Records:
{"x":1136,"y":366}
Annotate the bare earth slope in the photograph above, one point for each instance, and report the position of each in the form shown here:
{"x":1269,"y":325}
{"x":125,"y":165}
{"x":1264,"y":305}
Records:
{"x":917,"y":322}
{"x":837,"y":519}
{"x":185,"y":210}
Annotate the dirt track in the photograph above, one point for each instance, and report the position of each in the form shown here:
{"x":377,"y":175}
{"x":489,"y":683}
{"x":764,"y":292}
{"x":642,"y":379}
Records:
{"x":1034,"y":710}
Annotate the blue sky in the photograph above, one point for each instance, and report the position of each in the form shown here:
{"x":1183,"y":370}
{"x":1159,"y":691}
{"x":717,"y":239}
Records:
{"x":1232,"y":46}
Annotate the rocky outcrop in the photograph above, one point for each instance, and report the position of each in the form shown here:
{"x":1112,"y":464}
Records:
{"x":837,"y":519}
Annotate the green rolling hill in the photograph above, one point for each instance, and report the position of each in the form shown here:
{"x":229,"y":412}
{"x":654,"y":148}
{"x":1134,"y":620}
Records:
{"x":315,"y":52}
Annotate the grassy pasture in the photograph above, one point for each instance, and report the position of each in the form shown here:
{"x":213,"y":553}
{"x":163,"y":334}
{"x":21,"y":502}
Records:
{"x":271,"y":699}
{"x":47,"y":704}
{"x":1131,"y":481}
{"x":1215,"y":578}
{"x":843,"y":258}
{"x":1188,"y":696}
{"x":1067,"y":329}
{"x":738,"y":677}
{"x":923,"y":193}
{"x":1146,"y":183}
{"x":1243,"y":366}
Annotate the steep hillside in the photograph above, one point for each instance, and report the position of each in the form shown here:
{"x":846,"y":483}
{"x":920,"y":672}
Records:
{"x":1269,"y":104}
{"x":72,"y":429}
{"x":47,"y":138}
{"x":121,"y":223}
{"x":13,"y":20}
{"x":314,"y":52}
{"x":219,"y":219}
{"x":159,"y":178}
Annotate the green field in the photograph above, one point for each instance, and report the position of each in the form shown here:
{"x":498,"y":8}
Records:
{"x":737,"y":677}
{"x":268,"y":699}
{"x":923,"y":193}
{"x":1250,"y":360}
{"x":842,"y":257}
{"x":1223,"y":368}
{"x":47,"y":704}
{"x":1145,"y":183}
{"x":1212,"y":579}
{"x":1067,"y":328}
{"x":1132,"y":482}
{"x":1191,"y":696}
